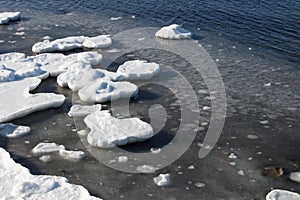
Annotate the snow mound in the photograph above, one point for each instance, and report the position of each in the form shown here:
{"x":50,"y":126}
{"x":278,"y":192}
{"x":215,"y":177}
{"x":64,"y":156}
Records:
{"x":16,"y":93}
{"x":82,"y":111}
{"x":18,"y":183}
{"x":71,"y":154}
{"x":13,"y":131}
{"x":104,"y":90}
{"x":5,"y":17}
{"x":162,"y":180}
{"x":138,"y":70}
{"x":173,"y":31}
{"x":295,"y":176}
{"x":107,"y":131}
{"x":45,"y":147}
{"x":282,"y":195}
{"x":72,"y":42}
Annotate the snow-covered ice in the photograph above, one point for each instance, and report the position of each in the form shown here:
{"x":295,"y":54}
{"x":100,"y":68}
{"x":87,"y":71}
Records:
{"x":282,"y":195}
{"x":71,"y":154}
{"x":5,"y":17}
{"x":295,"y":176}
{"x":10,"y":130}
{"x":82,"y":111}
{"x":18,"y":183}
{"x":173,"y":31}
{"x":72,"y":42}
{"x":16,"y":93}
{"x":45,"y":147}
{"x":138,"y":70}
{"x":108,"y":131}
{"x":162,"y":180}
{"x":104,"y":90}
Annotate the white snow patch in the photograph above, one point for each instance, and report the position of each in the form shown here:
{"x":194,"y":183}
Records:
{"x":264,"y":122}
{"x":45,"y":147}
{"x":107,"y":131}
{"x":173,"y":31}
{"x":71,"y":154}
{"x":138,"y":70}
{"x":162,"y":180}
{"x":82,"y":111}
{"x":5,"y":17}
{"x":278,"y":194}
{"x":104,"y":90}
{"x":18,"y":183}
{"x":72,"y":42}
{"x":295,"y":176}
{"x":16,"y":93}
{"x":13,"y":131}
{"x":115,"y":18}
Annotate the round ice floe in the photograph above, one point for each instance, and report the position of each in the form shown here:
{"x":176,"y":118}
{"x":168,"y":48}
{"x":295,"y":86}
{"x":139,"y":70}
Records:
{"x":138,"y":70}
{"x":45,"y":147}
{"x":173,"y":31}
{"x":295,"y":176}
{"x":162,"y":180}
{"x":104,"y":90}
{"x":13,"y":131}
{"x":101,"y":41}
{"x":107,"y":131}
{"x":282,"y":195}
{"x":82,"y":111}
{"x":5,"y":17}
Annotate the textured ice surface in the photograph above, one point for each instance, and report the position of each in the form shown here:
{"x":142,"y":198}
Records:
{"x":13,"y":131}
{"x":138,"y":70}
{"x":72,"y":42}
{"x":5,"y":17}
{"x":18,"y":183}
{"x":162,"y":180}
{"x":107,"y":131}
{"x":16,"y":93}
{"x":104,"y":90}
{"x":282,"y":195}
{"x":295,"y":176}
{"x":82,"y":111}
{"x":45,"y":147}
{"x":173,"y":31}
{"x":71,"y":154}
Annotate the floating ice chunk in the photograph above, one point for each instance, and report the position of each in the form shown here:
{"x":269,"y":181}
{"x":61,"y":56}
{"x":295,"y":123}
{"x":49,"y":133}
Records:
{"x":82,"y":111}
{"x":77,"y":79}
{"x":98,"y":42}
{"x":107,"y":131}
{"x":173,"y":31}
{"x":155,"y":150}
{"x":206,"y":108}
{"x":13,"y":131}
{"x":138,"y":70}
{"x":45,"y":158}
{"x":264,"y":122}
{"x":18,"y":183}
{"x":72,"y":42}
{"x":232,"y":156}
{"x":146,"y":169}
{"x":295,"y":176}
{"x":241,"y":172}
{"x":199,"y":185}
{"x":162,"y":180}
{"x":115,"y":18}
{"x":282,"y":195}
{"x":5,"y":17}
{"x":71,"y":154}
{"x":104,"y":90}
{"x":16,"y":93}
{"x":267,"y":84}
{"x":45,"y":147}
{"x":122,"y":159}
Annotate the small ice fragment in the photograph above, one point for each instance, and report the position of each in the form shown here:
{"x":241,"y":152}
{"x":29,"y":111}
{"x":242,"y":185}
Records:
{"x":162,"y":180}
{"x":295,"y":176}
{"x":47,"y":148}
{"x":199,"y":185}
{"x":267,"y":85}
{"x":115,"y":18}
{"x":192,"y":167}
{"x":47,"y":37}
{"x":20,"y":33}
{"x":206,"y":108}
{"x":250,"y":48}
{"x":5,"y":17}
{"x":147,"y":169}
{"x":250,"y":158}
{"x":71,"y":154}
{"x":264,"y":122}
{"x":241,"y":172}
{"x":232,"y":163}
{"x":155,"y":150}
{"x":279,"y":194}
{"x":45,"y":158}
{"x":204,"y":123}
{"x":122,"y":159}
{"x":13,"y":131}
{"x":232,"y":156}
{"x":82,"y":111}
{"x":252,"y":137}
{"x":82,"y":132}
{"x":173,"y":31}
{"x":133,"y":16}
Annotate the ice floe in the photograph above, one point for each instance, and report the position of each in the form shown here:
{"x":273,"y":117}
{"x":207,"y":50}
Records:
{"x":10,"y":130}
{"x":295,"y":176}
{"x":108,"y":131}
{"x":18,"y":183}
{"x":82,"y":111}
{"x":282,"y":195}
{"x":104,"y":90}
{"x":138,"y":70}
{"x":146,"y":169}
{"x":173,"y":31}
{"x":45,"y":147}
{"x":5,"y":17}
{"x":162,"y":180}
{"x":72,"y":42}
{"x":68,"y":154}
{"x":16,"y":93}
